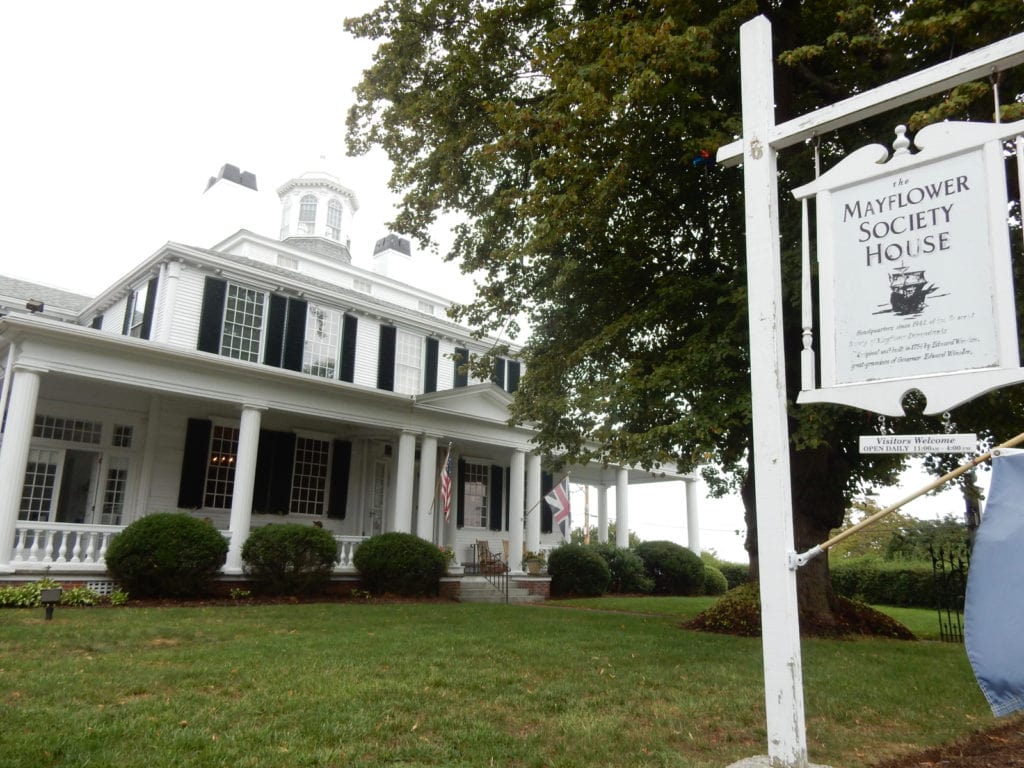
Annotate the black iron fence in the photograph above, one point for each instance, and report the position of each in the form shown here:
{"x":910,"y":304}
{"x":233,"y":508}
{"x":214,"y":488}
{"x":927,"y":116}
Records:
{"x":949,"y":568}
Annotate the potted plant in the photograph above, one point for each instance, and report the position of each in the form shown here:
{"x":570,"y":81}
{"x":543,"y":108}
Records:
{"x":534,"y":562}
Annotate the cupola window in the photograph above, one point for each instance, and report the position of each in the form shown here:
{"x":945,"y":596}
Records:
{"x":307,"y":215}
{"x":334,"y":220}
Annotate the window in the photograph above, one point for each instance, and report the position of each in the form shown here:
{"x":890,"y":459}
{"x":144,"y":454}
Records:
{"x":40,"y":483}
{"x":114,"y":491}
{"x":139,"y":309}
{"x":122,"y":437}
{"x":68,"y":430}
{"x":426,"y":307}
{"x":461,"y":358}
{"x":220,"y":471}
{"x":475,"y":495}
{"x":307,"y":215}
{"x":288,"y":262}
{"x":309,"y":479}
{"x":323,"y":340}
{"x":243,"y":324}
{"x":137,"y":312}
{"x":286,"y":214}
{"x":363,"y":286}
{"x":408,"y":363}
{"x":334,"y":220}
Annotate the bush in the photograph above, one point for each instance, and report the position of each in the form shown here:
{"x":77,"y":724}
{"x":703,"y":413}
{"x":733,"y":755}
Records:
{"x":674,"y":569}
{"x":626,"y":568}
{"x":884,"y":582}
{"x":290,"y":559}
{"x":715,"y":582}
{"x":400,"y":563}
{"x":79,"y":596}
{"x":736,"y":574}
{"x":168,"y":554}
{"x":577,"y":570}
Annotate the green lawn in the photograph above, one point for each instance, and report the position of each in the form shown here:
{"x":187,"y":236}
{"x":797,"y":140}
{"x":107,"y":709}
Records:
{"x":446,"y":685}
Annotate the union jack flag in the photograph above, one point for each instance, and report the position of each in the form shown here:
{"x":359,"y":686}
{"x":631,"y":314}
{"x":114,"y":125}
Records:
{"x":558,"y":498}
{"x":446,"y":485}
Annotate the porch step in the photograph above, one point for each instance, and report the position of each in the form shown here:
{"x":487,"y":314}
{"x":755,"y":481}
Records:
{"x":477,"y":589}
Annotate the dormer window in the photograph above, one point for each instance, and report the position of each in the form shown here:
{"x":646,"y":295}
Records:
{"x":334,"y":220}
{"x":307,"y":215}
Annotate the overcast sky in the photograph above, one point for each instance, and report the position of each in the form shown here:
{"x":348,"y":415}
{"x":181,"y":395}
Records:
{"x":116,"y":113}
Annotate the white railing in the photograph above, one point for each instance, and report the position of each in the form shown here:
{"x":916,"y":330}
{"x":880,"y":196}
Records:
{"x":44,"y":544}
{"x":347,"y":546}
{"x":75,"y":546}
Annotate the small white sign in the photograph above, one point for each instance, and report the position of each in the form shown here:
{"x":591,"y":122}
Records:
{"x":962,"y":443}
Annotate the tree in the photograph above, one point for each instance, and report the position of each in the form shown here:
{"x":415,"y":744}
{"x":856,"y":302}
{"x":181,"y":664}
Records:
{"x":576,"y":138}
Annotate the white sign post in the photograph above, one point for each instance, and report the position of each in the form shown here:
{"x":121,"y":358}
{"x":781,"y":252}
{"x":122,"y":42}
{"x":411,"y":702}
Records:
{"x":762,"y":138}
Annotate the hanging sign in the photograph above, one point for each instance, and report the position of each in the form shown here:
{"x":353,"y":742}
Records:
{"x":914,"y":279}
{"x":961,"y":443}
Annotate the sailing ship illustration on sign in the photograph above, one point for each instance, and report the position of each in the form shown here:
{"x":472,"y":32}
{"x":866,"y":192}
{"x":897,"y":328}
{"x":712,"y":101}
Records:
{"x":908,"y":290}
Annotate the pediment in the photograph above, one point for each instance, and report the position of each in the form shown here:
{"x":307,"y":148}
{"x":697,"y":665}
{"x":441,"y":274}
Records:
{"x":482,"y":401}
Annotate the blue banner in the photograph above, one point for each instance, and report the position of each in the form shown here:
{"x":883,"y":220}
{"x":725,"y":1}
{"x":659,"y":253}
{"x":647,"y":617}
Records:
{"x":994,"y":611}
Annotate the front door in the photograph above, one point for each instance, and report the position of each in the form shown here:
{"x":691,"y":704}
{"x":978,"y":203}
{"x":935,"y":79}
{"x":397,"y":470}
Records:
{"x":79,"y":486}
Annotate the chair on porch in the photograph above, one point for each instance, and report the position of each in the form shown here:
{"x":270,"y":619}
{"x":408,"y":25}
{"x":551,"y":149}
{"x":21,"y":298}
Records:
{"x":489,"y":562}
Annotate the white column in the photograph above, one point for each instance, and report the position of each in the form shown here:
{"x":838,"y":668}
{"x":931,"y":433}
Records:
{"x":622,"y":508}
{"x":602,"y":514}
{"x":516,"y":503}
{"x":426,"y":512}
{"x":171,"y":275}
{"x":533,"y":502}
{"x":405,"y":470}
{"x":245,"y":477}
{"x":148,"y":459}
{"x":692,"y":518}
{"x":780,"y":628}
{"x":21,"y":415}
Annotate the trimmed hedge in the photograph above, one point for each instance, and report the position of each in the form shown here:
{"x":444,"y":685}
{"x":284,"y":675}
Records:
{"x":290,"y":559}
{"x":400,"y":563}
{"x":885,"y":582}
{"x":714,"y":581}
{"x":736,"y":574}
{"x":674,"y":569}
{"x":577,"y":570}
{"x":167,"y":554}
{"x":626,"y":568}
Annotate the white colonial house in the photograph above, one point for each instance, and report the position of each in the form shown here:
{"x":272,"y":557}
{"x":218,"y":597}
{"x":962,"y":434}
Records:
{"x":261,"y":380}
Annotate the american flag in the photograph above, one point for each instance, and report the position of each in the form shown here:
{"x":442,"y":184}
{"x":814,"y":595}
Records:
{"x":558,"y":498}
{"x":446,"y":485}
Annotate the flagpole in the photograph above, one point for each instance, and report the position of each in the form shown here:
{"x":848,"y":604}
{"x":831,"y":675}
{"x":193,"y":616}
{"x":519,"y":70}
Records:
{"x":437,"y":482}
{"x":813,"y":552}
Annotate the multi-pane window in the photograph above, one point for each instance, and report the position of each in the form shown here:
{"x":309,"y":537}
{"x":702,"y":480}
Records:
{"x":220,"y":472}
{"x":137,"y":310}
{"x":323,"y":338}
{"x":243,"y":324}
{"x":475,"y":495}
{"x":408,"y":363}
{"x":309,"y":479}
{"x":122,"y":437}
{"x":114,"y":492}
{"x":334,"y":220}
{"x":286,"y":261}
{"x":361,"y":285}
{"x":307,"y":215}
{"x":40,"y":483}
{"x":70,"y":430}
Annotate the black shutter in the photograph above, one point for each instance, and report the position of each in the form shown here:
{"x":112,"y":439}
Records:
{"x":294,"y":335}
{"x":460,"y":495}
{"x":497,"y":497}
{"x":547,"y":482}
{"x":275,"y":459}
{"x":498,"y":374}
{"x":194,"y":461}
{"x":147,"y":319}
{"x":349,"y":327}
{"x":514,"y":372}
{"x":129,"y":307}
{"x":508,"y":497}
{"x":430,"y":367}
{"x":211,"y":320}
{"x":341,"y":461}
{"x":461,"y":373}
{"x":97,"y":322}
{"x":386,"y":358}
{"x":275,"y":330}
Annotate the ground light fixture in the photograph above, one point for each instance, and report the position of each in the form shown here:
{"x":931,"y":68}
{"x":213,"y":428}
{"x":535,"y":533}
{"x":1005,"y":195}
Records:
{"x":49,"y":597}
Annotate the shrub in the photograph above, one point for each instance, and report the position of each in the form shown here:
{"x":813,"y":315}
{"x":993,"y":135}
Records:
{"x":715,"y":582}
{"x":400,"y":563}
{"x":290,"y":559}
{"x":674,"y":569}
{"x":168,"y":554}
{"x":626,"y":567}
{"x":884,"y":582}
{"x":736,"y":574}
{"x":577,"y":570}
{"x":79,"y":596}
